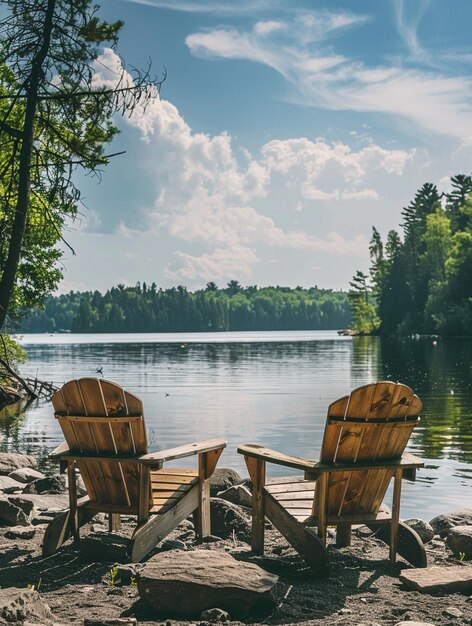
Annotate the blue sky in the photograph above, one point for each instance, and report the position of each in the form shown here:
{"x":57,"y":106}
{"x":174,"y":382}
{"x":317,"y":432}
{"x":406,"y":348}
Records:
{"x":283,"y":132}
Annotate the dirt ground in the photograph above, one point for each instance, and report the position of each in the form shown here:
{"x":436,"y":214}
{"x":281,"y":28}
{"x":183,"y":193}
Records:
{"x":363,"y":587}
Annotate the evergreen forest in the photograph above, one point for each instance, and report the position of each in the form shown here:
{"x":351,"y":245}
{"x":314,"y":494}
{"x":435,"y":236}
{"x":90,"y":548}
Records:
{"x":147,"y":309}
{"x":420,"y":280}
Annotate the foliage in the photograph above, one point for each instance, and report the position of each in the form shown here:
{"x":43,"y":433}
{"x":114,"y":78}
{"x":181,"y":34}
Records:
{"x":149,"y":309}
{"x":365,"y":320}
{"x":421,"y":284}
{"x":54,"y":119}
{"x":11,"y":351}
{"x":114,"y":573}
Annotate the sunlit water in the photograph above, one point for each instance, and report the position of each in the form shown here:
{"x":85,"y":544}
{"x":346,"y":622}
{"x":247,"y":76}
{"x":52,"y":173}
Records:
{"x":271,"y":388}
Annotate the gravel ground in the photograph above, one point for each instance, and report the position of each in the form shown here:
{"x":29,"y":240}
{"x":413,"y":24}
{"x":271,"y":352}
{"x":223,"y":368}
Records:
{"x":363,"y":587}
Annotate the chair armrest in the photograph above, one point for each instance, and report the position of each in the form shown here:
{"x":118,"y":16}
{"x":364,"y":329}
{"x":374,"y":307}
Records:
{"x":189,"y":449}
{"x":60,"y":450}
{"x":272,"y":456}
{"x":406,"y":462}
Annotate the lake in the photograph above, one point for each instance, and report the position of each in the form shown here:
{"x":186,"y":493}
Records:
{"x":267,"y":387}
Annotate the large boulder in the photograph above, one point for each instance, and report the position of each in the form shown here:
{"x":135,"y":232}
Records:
{"x":12,"y":515}
{"x":48,"y":484}
{"x":26,"y":474}
{"x":422,"y":528}
{"x":10,"y":461}
{"x":189,"y":582}
{"x":443,"y":523}
{"x":237,"y":494}
{"x":228,"y":519}
{"x":23,"y":605}
{"x":459,"y":540}
{"x":9,"y":485}
{"x":44,"y":502}
{"x":222,"y":479}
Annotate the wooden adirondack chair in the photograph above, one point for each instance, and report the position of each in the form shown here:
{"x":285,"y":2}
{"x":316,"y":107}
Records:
{"x":363,"y":449}
{"x":105,"y":439}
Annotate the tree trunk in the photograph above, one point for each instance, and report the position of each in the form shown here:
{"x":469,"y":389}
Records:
{"x":7,"y":281}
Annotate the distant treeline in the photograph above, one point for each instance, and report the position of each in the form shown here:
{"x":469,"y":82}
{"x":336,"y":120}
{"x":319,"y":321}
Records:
{"x":145,"y":309}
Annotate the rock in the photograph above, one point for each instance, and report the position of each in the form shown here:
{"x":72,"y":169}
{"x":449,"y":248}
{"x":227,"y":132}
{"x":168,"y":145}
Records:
{"x":459,"y":540}
{"x":452,"y":611}
{"x":11,"y":515}
{"x":22,"y":503}
{"x":345,"y":612}
{"x":459,"y":517}
{"x":408,"y":623}
{"x":215,"y":615}
{"x":189,"y":582}
{"x":20,"y":605}
{"x":222,"y":479}
{"x":105,"y":547}
{"x":126,"y":572}
{"x":10,"y":461}
{"x":210,"y":539}
{"x":26,"y":474}
{"x":457,"y":579}
{"x":228,"y":518}
{"x":47,"y":502}
{"x":422,"y":528}
{"x":9,"y":485}
{"x":48,"y":484}
{"x":80,"y":485}
{"x":173,"y":544}
{"x":117,"y":621}
{"x":41,"y":520}
{"x":20,"y":532}
{"x":238,"y":494}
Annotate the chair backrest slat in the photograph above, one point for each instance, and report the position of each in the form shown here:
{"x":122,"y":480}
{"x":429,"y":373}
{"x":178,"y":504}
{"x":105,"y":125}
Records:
{"x":373,"y":423}
{"x":98,"y":416}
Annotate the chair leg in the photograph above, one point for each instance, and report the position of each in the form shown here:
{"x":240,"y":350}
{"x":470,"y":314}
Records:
{"x":257,"y":470}
{"x":343,"y":535}
{"x":74,"y":516}
{"x":397,"y":488}
{"x":114,"y":522}
{"x":202,"y":515}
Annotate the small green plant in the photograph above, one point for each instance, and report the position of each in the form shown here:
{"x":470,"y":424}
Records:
{"x":113,"y":576}
{"x":133,"y":581}
{"x":461,"y":556}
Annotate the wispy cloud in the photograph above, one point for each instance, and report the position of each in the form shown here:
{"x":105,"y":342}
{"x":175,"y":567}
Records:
{"x":216,"y":7}
{"x":430,"y":99}
{"x":408,"y":15}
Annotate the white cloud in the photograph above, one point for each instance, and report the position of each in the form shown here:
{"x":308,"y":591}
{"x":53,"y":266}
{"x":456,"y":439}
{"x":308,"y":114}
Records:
{"x":408,"y":16}
{"x":230,"y":210}
{"x":219,"y":265}
{"x":217,"y":7}
{"x":267,"y":27}
{"x":431,"y":100}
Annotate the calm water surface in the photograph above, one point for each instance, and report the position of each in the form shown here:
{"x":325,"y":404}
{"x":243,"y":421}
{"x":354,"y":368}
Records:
{"x":271,"y":388}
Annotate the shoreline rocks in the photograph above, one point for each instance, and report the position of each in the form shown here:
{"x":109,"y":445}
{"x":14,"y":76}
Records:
{"x":11,"y":461}
{"x":443,"y":523}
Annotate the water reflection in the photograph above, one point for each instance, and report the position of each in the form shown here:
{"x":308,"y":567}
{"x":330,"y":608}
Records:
{"x":270,"y":392}
{"x":441,"y":375}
